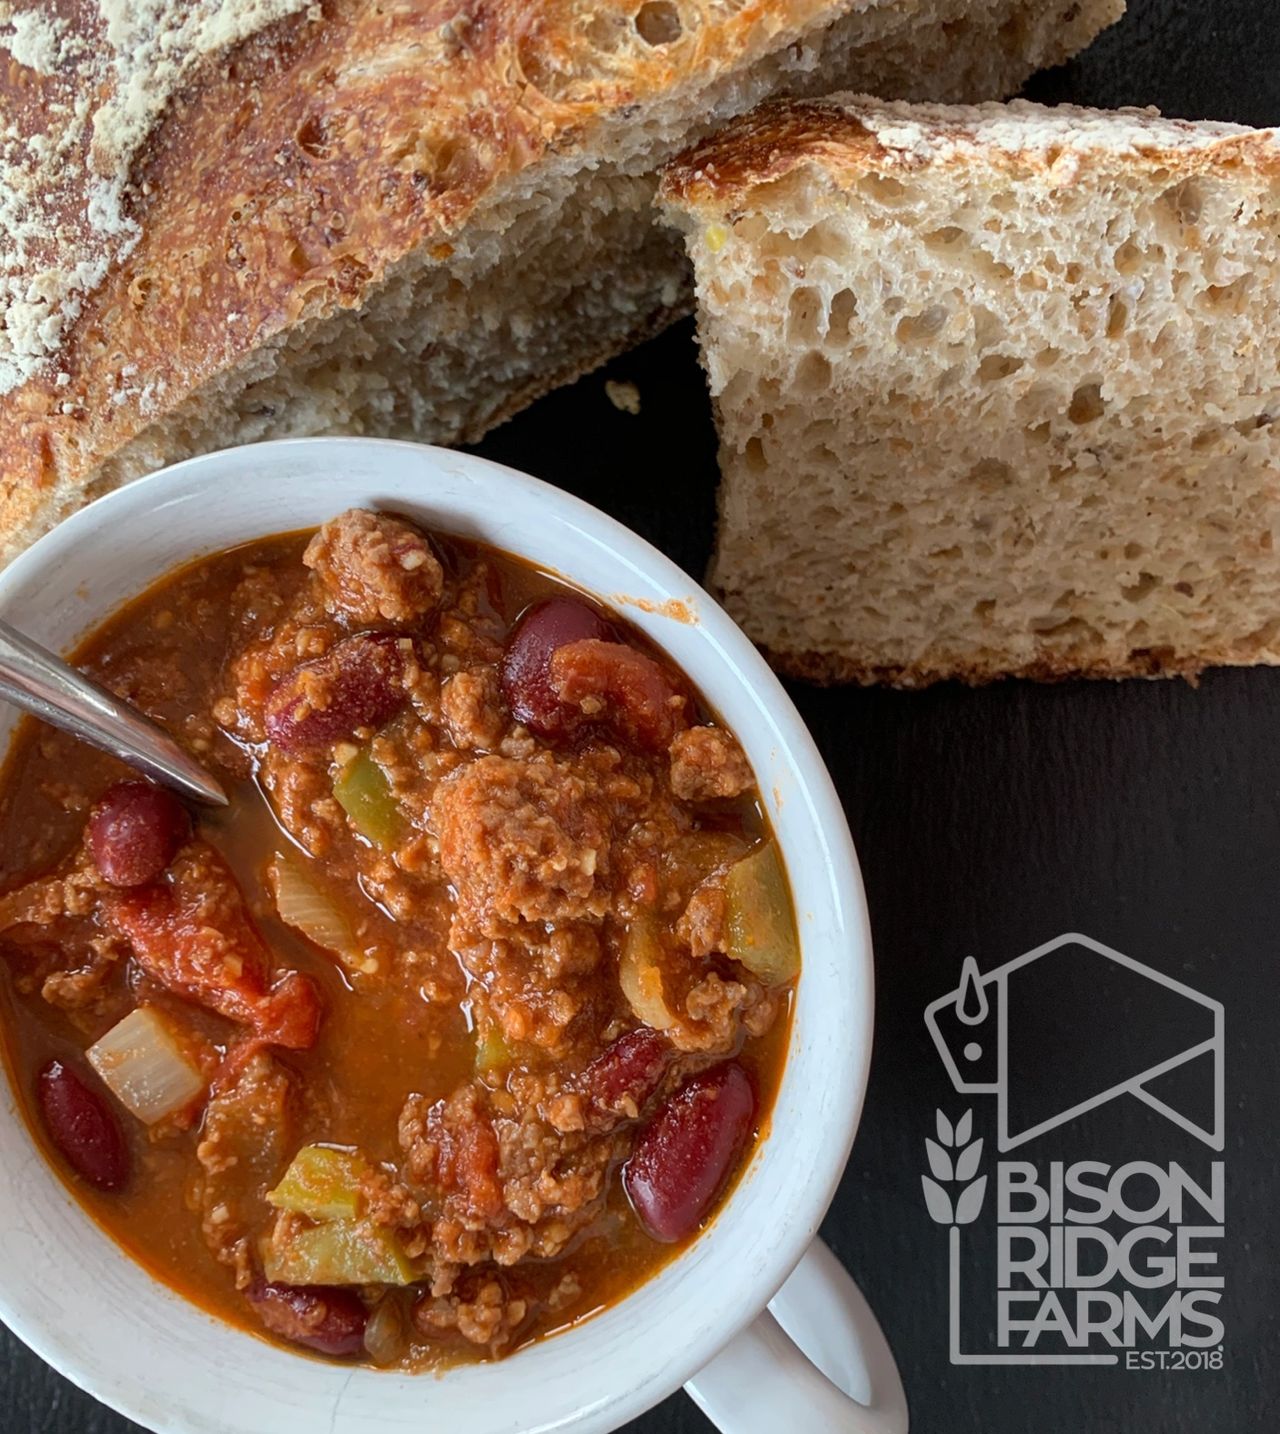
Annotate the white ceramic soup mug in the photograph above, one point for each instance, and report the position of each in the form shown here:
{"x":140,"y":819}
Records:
{"x":100,"y":1319}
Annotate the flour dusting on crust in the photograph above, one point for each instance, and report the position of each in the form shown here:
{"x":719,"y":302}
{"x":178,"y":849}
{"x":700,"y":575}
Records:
{"x":81,"y":88}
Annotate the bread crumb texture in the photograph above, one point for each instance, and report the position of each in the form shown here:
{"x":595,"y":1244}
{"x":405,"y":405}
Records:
{"x":221,"y":222}
{"x":997,"y":387}
{"x":625,"y":397}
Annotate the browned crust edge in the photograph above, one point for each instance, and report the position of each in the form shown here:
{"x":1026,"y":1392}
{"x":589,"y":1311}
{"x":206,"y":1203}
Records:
{"x":830,"y":669}
{"x":830,"y":135}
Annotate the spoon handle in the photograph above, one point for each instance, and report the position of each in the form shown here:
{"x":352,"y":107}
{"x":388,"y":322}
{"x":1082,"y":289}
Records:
{"x":37,"y":680}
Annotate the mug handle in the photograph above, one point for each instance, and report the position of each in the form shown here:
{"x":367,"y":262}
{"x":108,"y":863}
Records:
{"x":815,"y":1359}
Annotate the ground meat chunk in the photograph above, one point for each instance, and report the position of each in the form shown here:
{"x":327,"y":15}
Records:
{"x":707,"y":763}
{"x":453,"y":1152}
{"x":523,"y":841}
{"x":486,"y":1315}
{"x":553,"y":1181}
{"x":535,"y":985}
{"x":500,"y":1187}
{"x":246,"y":1141}
{"x":373,"y":568}
{"x":473,"y":708}
{"x":702,"y":927}
{"x":86,"y":986}
{"x":71,"y":893}
{"x":719,"y":1010}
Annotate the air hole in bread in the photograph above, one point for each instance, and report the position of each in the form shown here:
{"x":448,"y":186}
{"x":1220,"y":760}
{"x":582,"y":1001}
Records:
{"x":1184,"y":203}
{"x":988,"y":330}
{"x":920,"y":328}
{"x":995,"y":367}
{"x":804,"y":314}
{"x":946,"y":240}
{"x":1185,"y":589}
{"x":605,"y":32}
{"x":1087,"y":405}
{"x":312,"y":136}
{"x":1207,"y":439}
{"x":658,"y":22}
{"x":1147,"y":584}
{"x":1075,"y":627}
{"x":844,"y":306}
{"x":1133,"y":551}
{"x":1117,"y":317}
{"x":1047,"y":357}
{"x":1166,"y":341}
{"x":1227,"y":298}
{"x":1128,"y":258}
{"x":883,"y":189}
{"x":990,"y":473}
{"x":823,"y":241}
{"x":753,"y":453}
{"x":813,"y":376}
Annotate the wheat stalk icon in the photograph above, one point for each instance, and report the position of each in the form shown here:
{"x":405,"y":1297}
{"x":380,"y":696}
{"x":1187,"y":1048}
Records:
{"x":953,"y":1160}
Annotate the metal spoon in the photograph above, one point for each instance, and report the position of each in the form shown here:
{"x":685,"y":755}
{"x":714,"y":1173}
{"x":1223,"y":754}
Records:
{"x":35,"y":679}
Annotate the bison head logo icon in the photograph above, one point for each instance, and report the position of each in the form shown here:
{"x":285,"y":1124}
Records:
{"x":1030,"y":1033}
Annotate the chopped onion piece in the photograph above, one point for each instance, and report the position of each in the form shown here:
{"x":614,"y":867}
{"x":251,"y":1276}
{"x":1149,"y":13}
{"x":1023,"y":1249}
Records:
{"x":142,"y":1063}
{"x":304,"y":906}
{"x":386,"y":1337}
{"x":640,"y":975}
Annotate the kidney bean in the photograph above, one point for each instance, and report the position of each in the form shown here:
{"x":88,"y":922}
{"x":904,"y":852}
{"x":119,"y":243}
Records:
{"x":625,"y":1075}
{"x":325,"y":1318}
{"x":83,"y":1127}
{"x":526,"y":666}
{"x":687,"y":1151}
{"x":357,"y":683}
{"x":134,"y":831}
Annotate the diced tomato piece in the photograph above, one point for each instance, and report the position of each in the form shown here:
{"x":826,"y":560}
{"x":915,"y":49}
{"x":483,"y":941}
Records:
{"x":466,"y":1152}
{"x":615,"y":685}
{"x":192,"y":934}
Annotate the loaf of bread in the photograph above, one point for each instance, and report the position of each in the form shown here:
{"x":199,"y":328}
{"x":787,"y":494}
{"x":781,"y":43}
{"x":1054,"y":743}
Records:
{"x":995,"y":387}
{"x":224,"y":220}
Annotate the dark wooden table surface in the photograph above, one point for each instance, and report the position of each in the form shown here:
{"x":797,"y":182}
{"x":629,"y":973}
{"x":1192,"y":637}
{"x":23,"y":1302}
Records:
{"x":1144,"y":814}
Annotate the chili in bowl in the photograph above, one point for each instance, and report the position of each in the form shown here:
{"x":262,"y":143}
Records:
{"x":462,"y":1023}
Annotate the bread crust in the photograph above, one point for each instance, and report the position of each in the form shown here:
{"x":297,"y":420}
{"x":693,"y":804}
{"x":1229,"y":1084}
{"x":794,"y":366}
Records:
{"x":847,"y":136}
{"x":296,"y":173}
{"x":830,"y":669}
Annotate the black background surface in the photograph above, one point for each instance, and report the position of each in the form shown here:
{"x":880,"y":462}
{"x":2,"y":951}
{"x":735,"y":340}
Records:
{"x":1144,"y":814}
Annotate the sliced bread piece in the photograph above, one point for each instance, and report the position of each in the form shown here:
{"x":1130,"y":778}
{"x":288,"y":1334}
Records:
{"x":995,"y":387}
{"x":404,"y":220}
